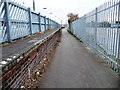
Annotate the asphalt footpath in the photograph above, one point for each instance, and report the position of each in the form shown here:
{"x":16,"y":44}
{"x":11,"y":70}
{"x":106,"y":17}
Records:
{"x":75,"y":66}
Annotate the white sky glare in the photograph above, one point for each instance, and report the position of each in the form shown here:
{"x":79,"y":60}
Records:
{"x":60,"y":8}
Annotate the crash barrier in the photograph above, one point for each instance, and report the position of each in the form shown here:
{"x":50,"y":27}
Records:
{"x":15,"y":72}
{"x":100,"y":30}
{"x":17,"y":21}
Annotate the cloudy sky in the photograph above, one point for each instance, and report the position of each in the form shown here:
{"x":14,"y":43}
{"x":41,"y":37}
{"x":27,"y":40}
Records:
{"x":60,"y":8}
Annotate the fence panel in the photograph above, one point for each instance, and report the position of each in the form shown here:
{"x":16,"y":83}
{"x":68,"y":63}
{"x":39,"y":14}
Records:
{"x":3,"y":33}
{"x":42,"y":24}
{"x":17,"y":21}
{"x":47,"y":23}
{"x":35,"y":23}
{"x":100,"y":29}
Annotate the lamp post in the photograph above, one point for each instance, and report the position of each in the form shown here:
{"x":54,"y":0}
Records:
{"x":34,"y":5}
{"x":51,"y":13}
{"x":44,"y":8}
{"x":60,"y":21}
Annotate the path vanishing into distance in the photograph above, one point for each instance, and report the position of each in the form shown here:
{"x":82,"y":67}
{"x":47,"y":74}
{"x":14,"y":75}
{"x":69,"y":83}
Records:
{"x":75,"y":66}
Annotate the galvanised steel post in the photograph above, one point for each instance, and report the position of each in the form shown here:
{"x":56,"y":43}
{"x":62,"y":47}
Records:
{"x":39,"y":22}
{"x":45,"y":22}
{"x":30,"y":20}
{"x":34,"y":5}
{"x":7,"y":20}
{"x":84,"y":31}
{"x":118,"y":32}
{"x":48,"y":24}
{"x":96,"y":22}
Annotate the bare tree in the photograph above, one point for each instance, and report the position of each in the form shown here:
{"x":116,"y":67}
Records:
{"x":72,"y":17}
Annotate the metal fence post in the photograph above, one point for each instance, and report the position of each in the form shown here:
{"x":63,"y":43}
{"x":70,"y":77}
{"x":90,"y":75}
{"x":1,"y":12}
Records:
{"x":118,"y":33}
{"x":39,"y":22}
{"x":45,"y":22}
{"x":48,"y":23}
{"x":7,"y":21}
{"x":84,"y":31}
{"x":96,"y":22}
{"x":30,"y":20}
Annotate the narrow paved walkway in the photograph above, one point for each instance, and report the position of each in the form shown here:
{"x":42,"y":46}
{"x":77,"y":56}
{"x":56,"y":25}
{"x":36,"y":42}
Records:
{"x":74,"y":66}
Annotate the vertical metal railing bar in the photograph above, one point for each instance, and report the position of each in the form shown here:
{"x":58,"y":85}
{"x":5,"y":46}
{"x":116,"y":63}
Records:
{"x":2,"y":9}
{"x":27,"y":18}
{"x":30,"y":22}
{"x":110,"y":32}
{"x":20,"y":14}
{"x":112,"y":12}
{"x":7,"y":21}
{"x":45,"y":22}
{"x":113,"y":30}
{"x":84,"y":28}
{"x":105,"y":29}
{"x":24,"y":13}
{"x":12,"y":10}
{"x":108,"y":29}
{"x":3,"y":13}
{"x":118,"y":33}
{"x":103,"y":20}
{"x":24,"y":17}
{"x":0,"y":5}
{"x":115,"y":11}
{"x":14,"y":13}
{"x":17,"y":18}
{"x":96,"y":24}
{"x":48,"y":23}
{"x":17,"y":13}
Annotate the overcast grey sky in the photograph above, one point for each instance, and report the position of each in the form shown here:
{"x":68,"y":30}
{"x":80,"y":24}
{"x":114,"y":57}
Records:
{"x":60,"y":8}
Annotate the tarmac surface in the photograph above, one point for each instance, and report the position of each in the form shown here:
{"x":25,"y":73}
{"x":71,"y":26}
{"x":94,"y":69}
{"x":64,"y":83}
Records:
{"x":21,"y":45}
{"x":75,"y":66}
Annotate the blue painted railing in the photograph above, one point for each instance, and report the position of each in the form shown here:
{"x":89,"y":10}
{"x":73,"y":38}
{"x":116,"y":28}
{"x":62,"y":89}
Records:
{"x":100,"y":30}
{"x":17,"y":21}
